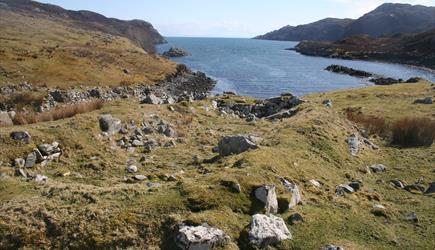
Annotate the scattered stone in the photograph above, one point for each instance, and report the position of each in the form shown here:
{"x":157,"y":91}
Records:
{"x":175,"y":52}
{"x":21,"y":172}
{"x":110,"y":124}
{"x":201,"y":237}
{"x":30,"y":160}
{"x":427,"y":100}
{"x":294,"y":190}
{"x":132,"y":169}
{"x":327,"y":103}
{"x":5,"y":119}
{"x":23,"y":136}
{"x":295,"y":219}
{"x":331,"y":247}
{"x":398,"y":184}
{"x":230,"y":145}
{"x":41,"y":179}
{"x":19,"y":163}
{"x":380,"y":211}
{"x":315,"y":183}
{"x":267,"y":195}
{"x":353,"y":144}
{"x":342,"y":190}
{"x":412,"y":217}
{"x":268,"y":230}
{"x":356,"y":185}
{"x":371,"y":144}
{"x":140,"y":177}
{"x":49,"y":149}
{"x":137,"y":143}
{"x":431,"y":188}
{"x":152,"y":99}
{"x":378,"y":168}
{"x":415,"y":188}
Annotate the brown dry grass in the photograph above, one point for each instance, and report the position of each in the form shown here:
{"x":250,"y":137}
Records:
{"x":413,"y":132}
{"x":404,"y":132}
{"x":58,"y":54}
{"x":57,"y":114}
{"x":372,"y":124}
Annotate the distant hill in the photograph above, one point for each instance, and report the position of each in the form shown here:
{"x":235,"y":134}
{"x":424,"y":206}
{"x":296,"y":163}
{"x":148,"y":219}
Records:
{"x":328,"y":29}
{"x":47,"y":45}
{"x":387,"y":19}
{"x":413,"y":49}
{"x":140,"y":32}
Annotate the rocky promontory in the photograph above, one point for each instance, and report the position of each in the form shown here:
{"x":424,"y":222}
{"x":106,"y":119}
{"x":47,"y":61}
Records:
{"x":413,"y":49}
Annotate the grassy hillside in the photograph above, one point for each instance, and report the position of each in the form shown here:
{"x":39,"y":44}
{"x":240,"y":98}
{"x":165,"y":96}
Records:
{"x":46,"y":51}
{"x":94,"y":207}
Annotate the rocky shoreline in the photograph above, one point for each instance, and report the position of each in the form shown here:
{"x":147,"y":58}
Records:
{"x":183,"y":85}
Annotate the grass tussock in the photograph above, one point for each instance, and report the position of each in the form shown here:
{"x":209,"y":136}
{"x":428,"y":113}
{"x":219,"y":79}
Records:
{"x":372,"y":124}
{"x":57,"y":114}
{"x":413,"y":132}
{"x":405,"y":132}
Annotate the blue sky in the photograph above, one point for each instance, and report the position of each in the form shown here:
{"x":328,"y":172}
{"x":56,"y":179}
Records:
{"x":226,"y":18}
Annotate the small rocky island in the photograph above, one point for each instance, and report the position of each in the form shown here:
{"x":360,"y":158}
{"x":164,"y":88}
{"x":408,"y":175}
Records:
{"x":176,"y":52}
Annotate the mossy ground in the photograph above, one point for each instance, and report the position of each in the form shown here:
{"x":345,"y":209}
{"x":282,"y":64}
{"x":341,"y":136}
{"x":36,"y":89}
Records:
{"x":95,"y":208}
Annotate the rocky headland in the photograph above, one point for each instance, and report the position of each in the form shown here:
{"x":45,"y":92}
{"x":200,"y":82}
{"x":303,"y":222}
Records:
{"x":412,"y":49}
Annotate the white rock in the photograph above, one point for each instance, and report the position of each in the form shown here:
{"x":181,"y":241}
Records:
{"x":315,"y":183}
{"x":201,"y":237}
{"x":267,"y":195}
{"x":353,"y":144}
{"x":132,"y":169}
{"x":41,"y":179}
{"x":294,"y":190}
{"x":268,"y":230}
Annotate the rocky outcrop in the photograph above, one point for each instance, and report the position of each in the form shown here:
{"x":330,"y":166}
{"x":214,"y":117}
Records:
{"x":203,"y":237}
{"x":175,"y":52}
{"x":266,"y":230}
{"x":427,"y":100}
{"x":280,"y":107}
{"x":348,"y":71}
{"x":231,"y":145}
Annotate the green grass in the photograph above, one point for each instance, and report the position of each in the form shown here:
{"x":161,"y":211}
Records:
{"x":94,"y":207}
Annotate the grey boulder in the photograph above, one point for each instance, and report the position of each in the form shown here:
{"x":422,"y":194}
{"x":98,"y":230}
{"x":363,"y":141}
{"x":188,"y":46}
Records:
{"x":268,"y":230}
{"x":353,"y":144}
{"x":23,"y":136}
{"x":110,"y":124}
{"x":231,"y":145}
{"x":378,"y":168}
{"x":267,"y":195}
{"x":201,"y":237}
{"x":152,"y":99}
{"x":331,"y":247}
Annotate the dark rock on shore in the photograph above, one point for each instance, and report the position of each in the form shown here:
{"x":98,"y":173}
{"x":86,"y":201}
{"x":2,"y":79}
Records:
{"x":348,"y":71}
{"x":175,"y":52}
{"x":385,"y":81}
